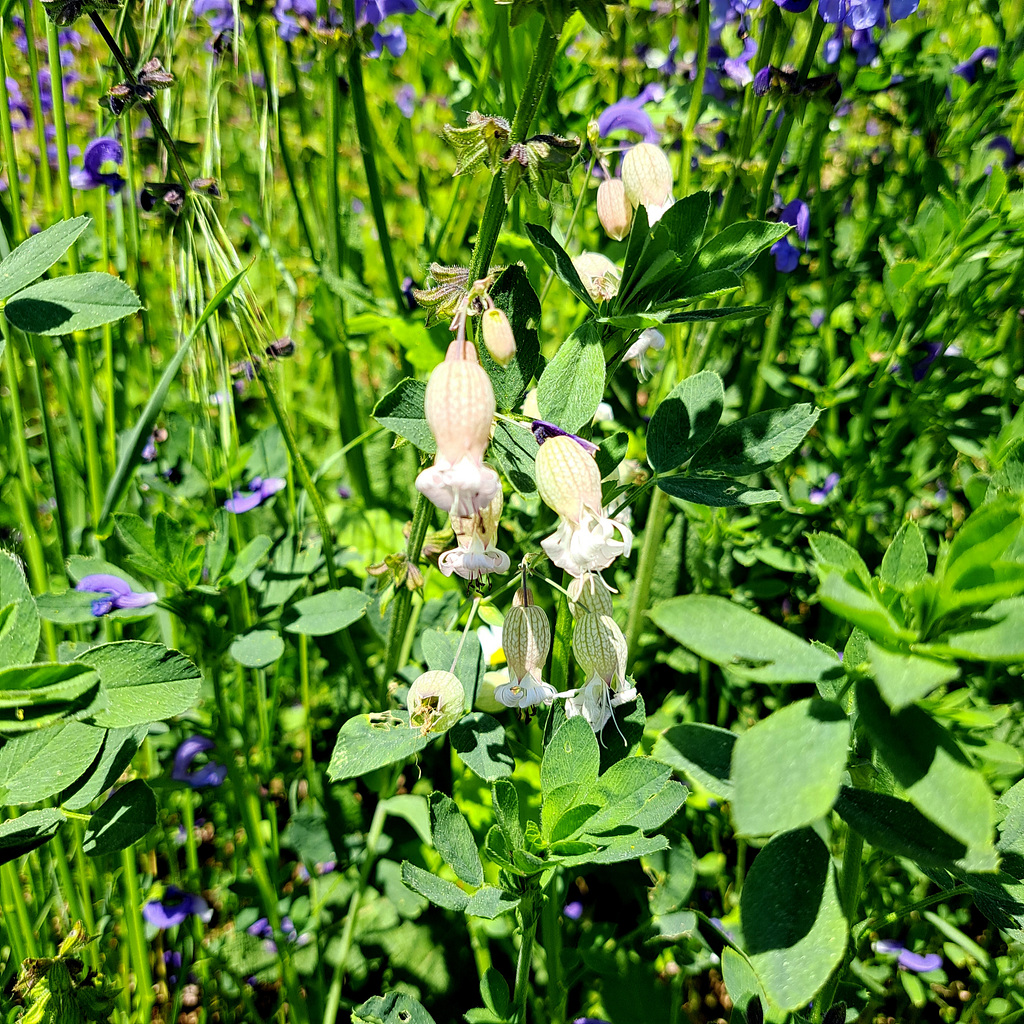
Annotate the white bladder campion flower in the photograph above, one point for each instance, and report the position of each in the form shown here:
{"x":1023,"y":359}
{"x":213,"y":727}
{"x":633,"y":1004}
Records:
{"x":589,"y":593}
{"x":526,"y":638}
{"x":598,"y":274}
{"x":459,"y":407}
{"x":647,"y":179}
{"x":636,"y":352}
{"x":436,"y":701}
{"x":570,"y":483}
{"x":475,"y":555}
{"x":600,"y":651}
{"x":614,"y":210}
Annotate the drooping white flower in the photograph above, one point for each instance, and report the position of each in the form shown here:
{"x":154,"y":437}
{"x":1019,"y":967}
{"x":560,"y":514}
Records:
{"x":599,"y":275}
{"x":475,"y":555}
{"x":647,"y":179}
{"x":570,"y":483}
{"x":648,"y":339}
{"x":614,"y":210}
{"x":600,"y":651}
{"x":459,"y":407}
{"x":589,"y":593}
{"x":526,"y":637}
{"x":436,"y":701}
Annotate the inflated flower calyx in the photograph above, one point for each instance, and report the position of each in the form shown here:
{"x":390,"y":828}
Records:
{"x":600,"y":650}
{"x":614,"y":210}
{"x":544,"y":160}
{"x":483,"y":140}
{"x":436,"y":701}
{"x":526,"y":640}
{"x":599,"y":275}
{"x":589,"y":593}
{"x":498,"y":336}
{"x":459,"y":407}
{"x":647,"y":179}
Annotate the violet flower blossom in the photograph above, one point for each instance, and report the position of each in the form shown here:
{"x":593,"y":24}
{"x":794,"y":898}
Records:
{"x":219,"y":14}
{"x":209,"y":774}
{"x":819,"y":495}
{"x":736,"y":68}
{"x":99,"y":153}
{"x":287,"y":11}
{"x":119,"y":594}
{"x":919,"y":963}
{"x":543,"y":431}
{"x":573,"y":910}
{"x":629,"y":115}
{"x":787,"y":256}
{"x":262,"y":929}
{"x":260,"y":490}
{"x":373,"y":12}
{"x":175,"y":907}
{"x":405,"y":100}
{"x":983,"y":55}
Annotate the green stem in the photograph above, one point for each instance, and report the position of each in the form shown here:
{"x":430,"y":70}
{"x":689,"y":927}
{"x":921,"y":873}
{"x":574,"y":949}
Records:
{"x":697,"y":95}
{"x":136,"y":939}
{"x":653,"y":532}
{"x":551,"y":936}
{"x":494,"y":211}
{"x":16,"y":895}
{"x":561,"y":644}
{"x":364,"y":130}
{"x":403,"y":599}
{"x":527,"y":918}
{"x":7,"y":137}
{"x":369,"y":858}
{"x":768,"y":351}
{"x":38,"y":120}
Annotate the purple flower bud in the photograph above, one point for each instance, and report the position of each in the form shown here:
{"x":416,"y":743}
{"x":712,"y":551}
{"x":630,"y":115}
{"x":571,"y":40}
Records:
{"x":819,"y":494}
{"x":573,"y":910}
{"x":175,"y":907}
{"x":544,"y":431}
{"x":763,"y":80}
{"x":120,"y":593}
{"x":983,"y":55}
{"x":209,"y":774}
{"x":259,"y":491}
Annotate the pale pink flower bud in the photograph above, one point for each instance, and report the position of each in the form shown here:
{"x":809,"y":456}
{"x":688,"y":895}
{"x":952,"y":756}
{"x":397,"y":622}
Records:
{"x":476,"y":555}
{"x":614,"y":210}
{"x":589,"y":593}
{"x":498,"y":336}
{"x":459,"y":406}
{"x":436,"y":701}
{"x":598,"y":274}
{"x":568,"y":478}
{"x":647,"y":179}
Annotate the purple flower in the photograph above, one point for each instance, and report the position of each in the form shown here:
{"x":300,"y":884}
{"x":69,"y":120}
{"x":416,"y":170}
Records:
{"x":590,"y":1020}
{"x":818,"y":495}
{"x":405,"y":100}
{"x":286,"y":11}
{"x":736,"y":67}
{"x":919,"y":963}
{"x":98,"y":153}
{"x":817,"y":318}
{"x":172,"y":959}
{"x":794,"y":6}
{"x":983,"y":55}
{"x":542,"y":431}
{"x":259,"y":491}
{"x":787,"y":256}
{"x":17,"y":106}
{"x":120,"y":593}
{"x":763,"y":80}
{"x":261,"y":929}
{"x":864,"y":46}
{"x":209,"y":774}
{"x":1010,"y":155}
{"x":219,"y":14}
{"x":797,"y":214}
{"x":629,"y":115}
{"x":175,"y":907}
{"x":573,"y":911}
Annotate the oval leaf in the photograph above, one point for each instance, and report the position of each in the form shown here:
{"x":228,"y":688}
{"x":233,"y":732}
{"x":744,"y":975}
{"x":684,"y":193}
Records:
{"x":76,"y":303}
{"x":124,"y":819}
{"x":329,"y":612}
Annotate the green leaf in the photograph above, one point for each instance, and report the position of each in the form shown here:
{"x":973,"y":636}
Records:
{"x":394,"y":1008}
{"x":37,"y":696}
{"x":747,"y":644}
{"x":494,"y":993}
{"x":571,"y":757}
{"x":61,"y":305}
{"x":863,"y":609}
{"x":248,"y":558}
{"x":743,"y":987}
{"x":898,"y":827}
{"x":19,"y":620}
{"x":401,"y":410}
{"x":699,"y":316}
{"x":716,"y":491}
{"x":572,"y":384}
{"x":685,"y":420}
{"x":833,"y":554}
{"x":365,"y":744}
{"x":37,"y":254}
{"x":479,"y":739}
{"x":146,"y":556}
{"x":143,"y":683}
{"x":628,"y":847}
{"x":750,"y":445}
{"x":439,"y":651}
{"x":703,"y":752}
{"x":439,"y":891}
{"x":932,"y":769}
{"x":329,"y":612}
{"x":998,"y":638}
{"x":505,"y":802}
{"x":906,"y":561}
{"x":738,"y":245}
{"x":623,"y":740}
{"x":787,"y":769}
{"x":28,"y":832}
{"x":636,"y":792}
{"x":515,"y":450}
{"x":453,"y":839}
{"x":683,"y":225}
{"x":793,"y":925}
{"x":490,"y":903}
{"x":903,"y":679}
{"x":558,"y":260}
{"x":123,"y":820}
{"x":707,"y":286}
{"x":258,"y":649}
{"x":38,"y":764}
{"x":515,"y":297}
{"x":119,"y":747}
